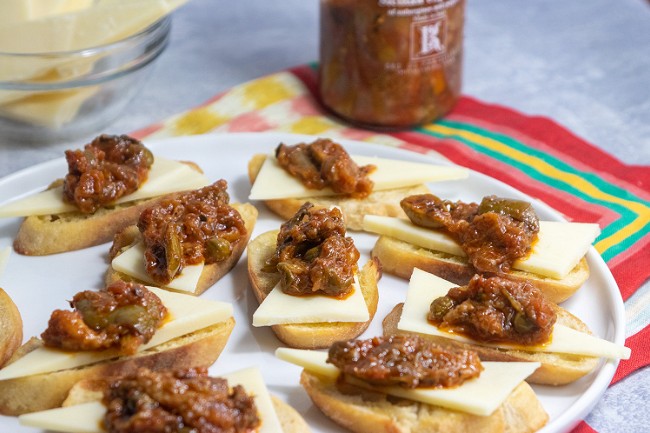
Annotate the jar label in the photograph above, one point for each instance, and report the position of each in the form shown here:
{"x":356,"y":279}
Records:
{"x":428,"y":38}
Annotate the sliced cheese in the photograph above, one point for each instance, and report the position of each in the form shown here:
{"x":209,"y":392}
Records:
{"x":480,"y":396}
{"x":88,"y":417}
{"x":188,"y":314}
{"x":559,"y":248}
{"x":86,"y":28}
{"x":50,"y":109}
{"x":253,"y":382}
{"x":273,"y":182}
{"x":131,"y":262}
{"x":80,"y":418}
{"x":404,"y":230}
{"x":425,"y":287}
{"x":17,"y":11}
{"x":4,"y":258}
{"x":165,"y":176}
{"x":278,"y":308}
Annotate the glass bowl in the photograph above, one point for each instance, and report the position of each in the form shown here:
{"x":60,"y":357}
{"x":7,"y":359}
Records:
{"x":61,"y":95}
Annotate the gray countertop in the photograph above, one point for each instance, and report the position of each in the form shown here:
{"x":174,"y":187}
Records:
{"x":583,"y":63}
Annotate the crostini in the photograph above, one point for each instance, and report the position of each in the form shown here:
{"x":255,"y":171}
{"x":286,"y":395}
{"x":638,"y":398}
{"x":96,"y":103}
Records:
{"x":487,"y":307}
{"x":394,"y":384}
{"x":103,"y":337}
{"x":11,"y":327}
{"x":356,"y":184}
{"x":478,"y":238}
{"x":185,"y":242}
{"x":108,"y":184}
{"x":307,"y":280}
{"x":238,"y":399}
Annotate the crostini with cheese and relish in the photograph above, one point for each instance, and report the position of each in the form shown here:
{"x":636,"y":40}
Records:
{"x":185,"y":242}
{"x":108,"y":184}
{"x":401,"y":384}
{"x":111,"y":333}
{"x":501,"y":320}
{"x":308,"y":283}
{"x":323,"y":173}
{"x":148,"y":398}
{"x":456,"y":240}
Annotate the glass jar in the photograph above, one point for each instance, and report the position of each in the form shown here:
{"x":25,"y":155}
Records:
{"x":391,"y":63}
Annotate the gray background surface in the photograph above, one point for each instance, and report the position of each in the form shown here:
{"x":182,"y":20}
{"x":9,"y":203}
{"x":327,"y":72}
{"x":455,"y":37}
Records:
{"x":583,"y":63}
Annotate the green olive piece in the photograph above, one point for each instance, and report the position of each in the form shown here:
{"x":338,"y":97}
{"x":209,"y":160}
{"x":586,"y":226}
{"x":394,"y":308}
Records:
{"x":513,"y":301}
{"x":440,"y":307}
{"x":218,"y":249}
{"x":173,"y":251}
{"x":312,"y":254}
{"x":90,"y":157}
{"x":518,"y":210}
{"x":90,"y":315}
{"x":523,"y":324}
{"x":131,"y":315}
{"x":290,"y":274}
{"x":148,"y":157}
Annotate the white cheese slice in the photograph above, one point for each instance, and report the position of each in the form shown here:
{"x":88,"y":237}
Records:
{"x":131,"y":262}
{"x":4,"y":258}
{"x":187,"y":314}
{"x":165,"y":176}
{"x":89,"y":27}
{"x":480,"y":396}
{"x":273,"y":182}
{"x":559,"y":248}
{"x":16,"y":11}
{"x":80,"y":418}
{"x":253,"y":382}
{"x":405,"y":230}
{"x":51,"y":109}
{"x":278,"y":308}
{"x":88,"y":417}
{"x":425,"y":287}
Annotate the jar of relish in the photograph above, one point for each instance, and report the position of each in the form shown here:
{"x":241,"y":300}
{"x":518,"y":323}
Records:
{"x":390,"y":63}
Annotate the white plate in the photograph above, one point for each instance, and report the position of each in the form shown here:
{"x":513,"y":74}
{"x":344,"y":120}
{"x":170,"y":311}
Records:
{"x":40,"y":284}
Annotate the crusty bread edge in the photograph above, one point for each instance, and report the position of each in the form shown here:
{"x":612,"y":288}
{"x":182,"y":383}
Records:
{"x":556,"y":369}
{"x":48,"y":390}
{"x":382,"y":203}
{"x":521,"y":412}
{"x":212,"y":272}
{"x":400,"y":258}
{"x":11,"y":327}
{"x":309,"y":335}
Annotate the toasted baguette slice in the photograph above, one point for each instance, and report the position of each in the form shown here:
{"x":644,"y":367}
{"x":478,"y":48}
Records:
{"x":212,"y":272}
{"x":382,"y":203}
{"x":93,"y":390}
{"x":41,"y":235}
{"x":556,"y":369}
{"x":308,"y":335}
{"x":11,"y":327}
{"x":49,"y":390}
{"x":400,"y":258}
{"x":369,"y":412}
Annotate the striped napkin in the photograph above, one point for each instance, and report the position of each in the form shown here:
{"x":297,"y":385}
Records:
{"x":533,"y":154}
